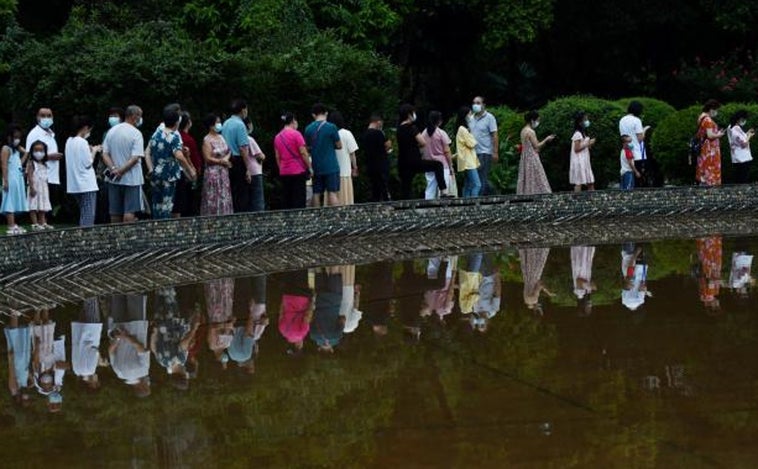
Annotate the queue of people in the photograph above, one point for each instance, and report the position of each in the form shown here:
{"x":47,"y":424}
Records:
{"x":315,"y":167}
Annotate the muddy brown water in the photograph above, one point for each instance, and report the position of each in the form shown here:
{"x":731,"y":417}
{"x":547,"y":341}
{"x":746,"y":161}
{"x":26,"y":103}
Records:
{"x":625,"y":355}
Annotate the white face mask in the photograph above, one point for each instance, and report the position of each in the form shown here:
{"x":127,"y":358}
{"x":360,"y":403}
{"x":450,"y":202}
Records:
{"x":87,"y":135}
{"x":535,"y":124}
{"x":413,"y":117}
{"x":742,"y":123}
{"x":16,"y":142}
{"x":477,"y":108}
{"x":38,"y":155}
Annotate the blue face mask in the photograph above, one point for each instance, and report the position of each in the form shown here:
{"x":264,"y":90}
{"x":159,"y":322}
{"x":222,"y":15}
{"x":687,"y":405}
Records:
{"x":477,"y":108}
{"x":218,"y":128}
{"x":586,"y":124}
{"x":114,"y":120}
{"x":46,"y":122}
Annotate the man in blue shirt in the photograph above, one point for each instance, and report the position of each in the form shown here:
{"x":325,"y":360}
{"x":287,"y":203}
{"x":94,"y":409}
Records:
{"x":484,"y":128}
{"x":323,"y":138}
{"x":235,"y":134}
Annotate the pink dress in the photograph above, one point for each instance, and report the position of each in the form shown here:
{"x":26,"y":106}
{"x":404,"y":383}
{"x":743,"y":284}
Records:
{"x":531,"y":174}
{"x":216,"y":196}
{"x":580,"y":169}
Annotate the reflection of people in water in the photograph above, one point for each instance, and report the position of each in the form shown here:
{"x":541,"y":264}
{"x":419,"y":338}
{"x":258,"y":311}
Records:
{"x":581,"y":271}
{"x":172,"y":336}
{"x":709,"y":253}
{"x":490,"y":294}
{"x":219,"y":300}
{"x":296,"y":310}
{"x":129,"y":356}
{"x":244,"y":345}
{"x":85,"y":344}
{"x":440,"y":301}
{"x":351,"y":299}
{"x":740,"y":276}
{"x":49,"y":363}
{"x":327,"y":327}
{"x":634,"y":273}
{"x":381,"y":291}
{"x":19,"y":340}
{"x":532,"y":264}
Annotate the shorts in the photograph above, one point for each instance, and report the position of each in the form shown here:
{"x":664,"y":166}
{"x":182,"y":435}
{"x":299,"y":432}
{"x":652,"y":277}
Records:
{"x":326,"y":182}
{"x":124,"y":199}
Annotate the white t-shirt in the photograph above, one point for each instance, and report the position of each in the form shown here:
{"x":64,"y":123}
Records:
{"x":122,"y":143}
{"x":488,"y":302}
{"x":631,"y":125}
{"x":740,"y":276}
{"x":253,"y":165}
{"x":80,"y":175}
{"x":626,"y":166}
{"x":129,"y":364}
{"x":48,"y":138}
{"x":738,"y":138}
{"x":85,"y":344}
{"x":347,"y":309}
{"x":349,"y":145}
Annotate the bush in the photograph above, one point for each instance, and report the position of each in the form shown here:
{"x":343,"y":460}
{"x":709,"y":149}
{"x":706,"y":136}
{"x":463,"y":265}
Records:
{"x":557,"y":117}
{"x":671,"y":142}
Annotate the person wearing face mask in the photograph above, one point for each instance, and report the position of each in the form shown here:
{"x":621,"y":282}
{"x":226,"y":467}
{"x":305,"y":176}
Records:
{"x":43,"y":132}
{"x":168,"y":163}
{"x":739,"y":144}
{"x":483,"y":126}
{"x":38,"y":197}
{"x":13,"y":157}
{"x":410,"y":144}
{"x":81,"y":181}
{"x":631,"y":125}
{"x":123,"y":150}
{"x":580,"y":169}
{"x":531,"y":175}
{"x":294,"y":162}
{"x":186,"y":199}
{"x":708,"y":171}
{"x":216,"y":195}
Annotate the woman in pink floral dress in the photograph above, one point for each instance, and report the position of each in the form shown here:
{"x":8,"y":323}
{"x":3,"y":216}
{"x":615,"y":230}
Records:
{"x":216,"y":196}
{"x":708,"y":171}
{"x":531,"y":174}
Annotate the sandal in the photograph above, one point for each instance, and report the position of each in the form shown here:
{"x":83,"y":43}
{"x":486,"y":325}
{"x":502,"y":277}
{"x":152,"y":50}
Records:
{"x":47,"y":227}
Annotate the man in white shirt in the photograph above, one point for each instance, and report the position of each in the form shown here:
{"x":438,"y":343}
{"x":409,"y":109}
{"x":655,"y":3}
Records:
{"x":123,"y":150}
{"x":129,"y":355}
{"x":43,"y":132}
{"x":631,"y":125}
{"x":85,"y":344}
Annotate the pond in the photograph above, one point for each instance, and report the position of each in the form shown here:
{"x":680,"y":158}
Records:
{"x":641,"y":354}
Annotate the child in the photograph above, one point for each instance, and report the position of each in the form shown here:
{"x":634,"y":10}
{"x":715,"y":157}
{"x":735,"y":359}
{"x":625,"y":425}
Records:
{"x":628,"y":170}
{"x":39,"y":195}
{"x":49,"y":363}
{"x":14,"y":200}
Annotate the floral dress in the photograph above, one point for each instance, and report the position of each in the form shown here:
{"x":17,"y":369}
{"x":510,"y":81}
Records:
{"x":708,"y":171}
{"x":216,"y":196}
{"x":709,"y":253}
{"x":531,"y":174}
{"x":163,"y":145}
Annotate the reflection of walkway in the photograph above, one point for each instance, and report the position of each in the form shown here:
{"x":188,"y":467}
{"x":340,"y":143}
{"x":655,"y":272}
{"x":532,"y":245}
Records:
{"x":154,"y":269}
